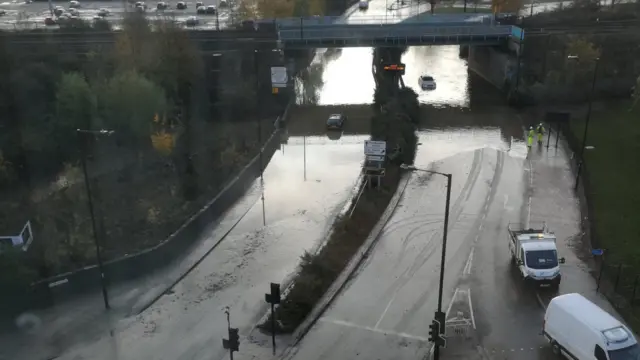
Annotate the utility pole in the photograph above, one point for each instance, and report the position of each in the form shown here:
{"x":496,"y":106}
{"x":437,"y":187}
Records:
{"x":233,"y":343}
{"x":437,"y":326}
{"x":82,"y":137}
{"x":587,"y":118}
{"x":258,"y":115}
{"x":273,"y":298}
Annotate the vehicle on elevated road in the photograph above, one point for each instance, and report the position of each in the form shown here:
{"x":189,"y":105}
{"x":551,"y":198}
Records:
{"x":579,"y":329}
{"x":363,"y":5}
{"x":534,"y":252}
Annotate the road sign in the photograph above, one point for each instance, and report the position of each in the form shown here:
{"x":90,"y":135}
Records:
{"x":279,"y":77}
{"x":376,"y":158}
{"x":375,"y":148}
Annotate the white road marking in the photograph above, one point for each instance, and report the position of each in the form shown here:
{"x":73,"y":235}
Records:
{"x":453,"y":298}
{"x":379,"y":331}
{"x":386,"y":309}
{"x":468,"y":265}
{"x":473,"y":318}
{"x":531,"y":189}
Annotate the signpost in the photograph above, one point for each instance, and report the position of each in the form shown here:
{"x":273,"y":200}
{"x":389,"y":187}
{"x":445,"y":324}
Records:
{"x":375,"y":153}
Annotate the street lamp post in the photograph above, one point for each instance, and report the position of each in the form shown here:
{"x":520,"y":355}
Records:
{"x":588,"y":117}
{"x":436,"y":349}
{"x":82,"y":137}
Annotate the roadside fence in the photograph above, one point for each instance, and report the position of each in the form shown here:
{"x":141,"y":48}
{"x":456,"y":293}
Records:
{"x":619,"y":283}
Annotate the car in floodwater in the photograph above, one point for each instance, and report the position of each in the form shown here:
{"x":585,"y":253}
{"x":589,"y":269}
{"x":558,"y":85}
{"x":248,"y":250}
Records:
{"x":201,"y":10}
{"x":74,"y":4}
{"x":211,"y":10}
{"x":181,"y":5}
{"x":103,"y":12}
{"x":162,"y":6}
{"x":336,"y":121}
{"x":427,"y":82}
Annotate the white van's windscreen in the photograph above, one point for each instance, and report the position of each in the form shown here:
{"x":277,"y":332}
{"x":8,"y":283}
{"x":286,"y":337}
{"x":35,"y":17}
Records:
{"x":541,"y":259}
{"x":629,"y":353}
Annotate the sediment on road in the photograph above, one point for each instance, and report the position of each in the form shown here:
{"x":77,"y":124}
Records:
{"x":610,"y":194}
{"x":396,"y":113}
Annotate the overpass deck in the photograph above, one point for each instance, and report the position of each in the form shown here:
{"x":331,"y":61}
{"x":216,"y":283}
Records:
{"x":392,"y":35}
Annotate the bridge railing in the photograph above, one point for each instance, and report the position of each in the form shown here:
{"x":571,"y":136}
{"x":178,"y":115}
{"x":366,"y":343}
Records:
{"x":367,"y":32}
{"x":377,"y":19}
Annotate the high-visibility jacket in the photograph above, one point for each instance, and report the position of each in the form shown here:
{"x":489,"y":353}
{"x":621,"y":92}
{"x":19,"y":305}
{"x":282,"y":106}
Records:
{"x":532,"y":133}
{"x":540,"y":129}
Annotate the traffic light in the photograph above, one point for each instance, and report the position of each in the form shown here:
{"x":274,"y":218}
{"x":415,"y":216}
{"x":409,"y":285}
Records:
{"x":233,"y":344}
{"x":274,"y":297}
{"x":434,"y":331}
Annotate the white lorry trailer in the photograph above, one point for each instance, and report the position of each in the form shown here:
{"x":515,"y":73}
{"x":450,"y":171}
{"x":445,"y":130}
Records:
{"x":534,"y":252}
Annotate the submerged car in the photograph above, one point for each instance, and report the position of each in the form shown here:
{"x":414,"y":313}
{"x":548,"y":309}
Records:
{"x":427,"y":82}
{"x":336,"y":121}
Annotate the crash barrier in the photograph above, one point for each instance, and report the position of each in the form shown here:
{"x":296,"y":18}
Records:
{"x":458,"y":327}
{"x":64,"y":286}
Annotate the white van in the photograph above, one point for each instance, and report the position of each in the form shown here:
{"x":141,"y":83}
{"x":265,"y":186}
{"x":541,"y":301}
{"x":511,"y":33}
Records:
{"x":579,"y":329}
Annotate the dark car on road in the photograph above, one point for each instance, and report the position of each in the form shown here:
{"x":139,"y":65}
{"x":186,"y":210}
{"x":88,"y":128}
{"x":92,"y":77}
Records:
{"x":181,"y":5}
{"x":211,"y":10}
{"x":336,"y":121}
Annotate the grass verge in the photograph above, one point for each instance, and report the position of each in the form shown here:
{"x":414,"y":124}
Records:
{"x":318,"y":271}
{"x":611,"y":171}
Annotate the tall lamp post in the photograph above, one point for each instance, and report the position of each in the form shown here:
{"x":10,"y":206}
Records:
{"x":83,"y":137}
{"x":588,"y":117}
{"x":439,"y":316}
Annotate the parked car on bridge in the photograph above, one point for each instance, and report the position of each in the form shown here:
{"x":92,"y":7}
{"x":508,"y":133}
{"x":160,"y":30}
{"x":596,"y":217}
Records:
{"x":74,"y":4}
{"x":211,"y":9}
{"x":427,"y":82}
{"x":336,"y":121}
{"x":181,"y":5}
{"x":363,"y":5}
{"x":141,"y":6}
{"x":199,"y":3}
{"x":162,"y":5}
{"x":192,"y":21}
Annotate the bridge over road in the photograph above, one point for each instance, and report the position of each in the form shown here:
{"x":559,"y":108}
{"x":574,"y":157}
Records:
{"x":463,"y":29}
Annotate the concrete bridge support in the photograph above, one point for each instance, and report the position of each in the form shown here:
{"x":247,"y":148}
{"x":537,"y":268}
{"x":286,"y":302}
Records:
{"x":495,"y":66}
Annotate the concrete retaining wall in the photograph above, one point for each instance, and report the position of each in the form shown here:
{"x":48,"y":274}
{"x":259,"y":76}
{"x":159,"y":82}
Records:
{"x":129,"y":267}
{"x":494,"y":66}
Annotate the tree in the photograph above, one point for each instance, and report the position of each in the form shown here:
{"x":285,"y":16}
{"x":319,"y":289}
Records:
{"x":177,"y":70}
{"x":75,"y":103}
{"x":507,"y":6}
{"x":129,"y":103}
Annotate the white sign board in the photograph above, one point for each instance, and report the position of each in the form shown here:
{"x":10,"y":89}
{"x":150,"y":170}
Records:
{"x":377,"y":158}
{"x":279,"y":76}
{"x":376,"y":148}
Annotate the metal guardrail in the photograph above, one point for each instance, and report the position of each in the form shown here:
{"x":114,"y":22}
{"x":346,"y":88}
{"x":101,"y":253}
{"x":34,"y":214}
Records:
{"x":376,"y":19}
{"x":376,"y":31}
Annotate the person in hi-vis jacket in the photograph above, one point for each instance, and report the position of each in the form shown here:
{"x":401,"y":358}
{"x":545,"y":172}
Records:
{"x":540,"y":131}
{"x":531,"y":135}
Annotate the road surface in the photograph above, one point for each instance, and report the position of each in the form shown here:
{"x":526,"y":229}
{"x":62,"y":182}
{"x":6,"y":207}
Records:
{"x":509,"y":315}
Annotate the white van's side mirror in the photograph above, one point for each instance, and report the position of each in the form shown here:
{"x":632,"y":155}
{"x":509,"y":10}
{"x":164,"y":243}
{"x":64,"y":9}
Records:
{"x":561,"y":260}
